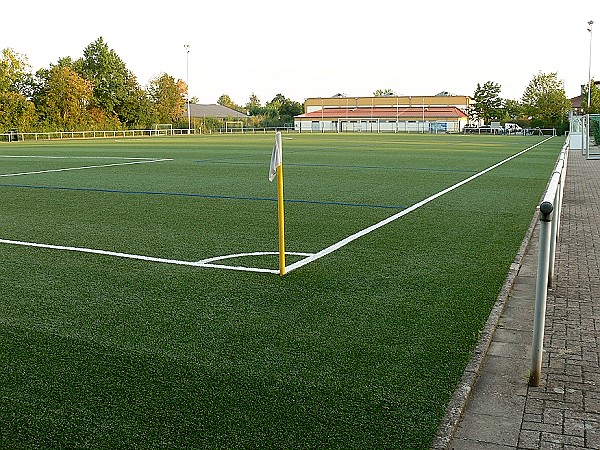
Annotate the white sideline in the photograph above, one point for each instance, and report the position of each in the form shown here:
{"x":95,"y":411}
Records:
{"x":355,"y":236}
{"x":72,"y":157}
{"x":202,"y":263}
{"x":66,"y":169}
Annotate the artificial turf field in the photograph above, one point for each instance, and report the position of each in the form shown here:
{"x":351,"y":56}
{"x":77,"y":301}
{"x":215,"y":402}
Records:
{"x":111,"y":337}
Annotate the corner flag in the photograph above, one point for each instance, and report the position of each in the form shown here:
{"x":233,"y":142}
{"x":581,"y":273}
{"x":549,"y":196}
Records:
{"x":276,"y":169}
{"x":275,"y":157}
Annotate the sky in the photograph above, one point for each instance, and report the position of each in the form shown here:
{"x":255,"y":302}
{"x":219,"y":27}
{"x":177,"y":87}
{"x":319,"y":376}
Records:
{"x":316,"y":48}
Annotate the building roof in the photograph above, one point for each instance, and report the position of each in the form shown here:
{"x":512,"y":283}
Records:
{"x":460,"y":101}
{"x":411,"y":113}
{"x":577,"y":101}
{"x":212,"y":110}
{"x":581,"y":99}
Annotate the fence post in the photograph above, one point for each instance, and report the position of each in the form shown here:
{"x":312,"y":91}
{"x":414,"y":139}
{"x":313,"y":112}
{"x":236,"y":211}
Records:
{"x":541,"y":292}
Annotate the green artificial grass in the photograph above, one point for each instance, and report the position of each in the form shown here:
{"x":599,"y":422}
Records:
{"x":360,"y":349}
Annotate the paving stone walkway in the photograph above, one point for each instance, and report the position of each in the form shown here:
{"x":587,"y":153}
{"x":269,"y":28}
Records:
{"x":503,"y":411}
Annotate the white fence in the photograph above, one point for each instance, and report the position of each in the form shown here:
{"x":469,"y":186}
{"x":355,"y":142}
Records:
{"x":51,"y":135}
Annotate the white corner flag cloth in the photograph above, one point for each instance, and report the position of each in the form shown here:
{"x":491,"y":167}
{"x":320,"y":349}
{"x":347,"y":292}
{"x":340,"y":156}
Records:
{"x":275,"y":161}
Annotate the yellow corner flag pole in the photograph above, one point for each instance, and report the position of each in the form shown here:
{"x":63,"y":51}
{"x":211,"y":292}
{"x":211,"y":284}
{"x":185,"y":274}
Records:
{"x":276,"y":169}
{"x":280,"y":216}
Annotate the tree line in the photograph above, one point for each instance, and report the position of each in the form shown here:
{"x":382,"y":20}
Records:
{"x":544,"y":103}
{"x":94,"y":92}
{"x":278,"y":112}
{"x":99,"y":92}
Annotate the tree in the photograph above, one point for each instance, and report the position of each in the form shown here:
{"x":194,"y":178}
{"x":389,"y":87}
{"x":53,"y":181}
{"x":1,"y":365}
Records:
{"x":16,"y":112}
{"x":66,"y":98}
{"x":545,"y":101}
{"x":289,"y":109}
{"x":595,"y":98}
{"x":41,"y":82}
{"x":224,"y":100}
{"x":488,"y":104}
{"x":14,"y":72}
{"x":253,"y":107}
{"x":115,"y":87}
{"x":383,"y":93}
{"x":165,"y":95}
{"x":513,"y":110}
{"x":182,"y":88}
{"x":136,"y":109}
{"x":281,"y":111}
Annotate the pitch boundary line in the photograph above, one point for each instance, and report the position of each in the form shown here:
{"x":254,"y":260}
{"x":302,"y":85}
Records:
{"x":332,"y":248}
{"x":72,"y":157}
{"x":66,"y":169}
{"x":208,"y":262}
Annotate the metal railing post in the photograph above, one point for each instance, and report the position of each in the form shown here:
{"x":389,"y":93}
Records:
{"x":562,"y":169}
{"x":541,"y":293}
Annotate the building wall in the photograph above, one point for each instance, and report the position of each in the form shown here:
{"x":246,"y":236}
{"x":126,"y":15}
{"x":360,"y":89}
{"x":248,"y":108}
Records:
{"x":379,"y":126}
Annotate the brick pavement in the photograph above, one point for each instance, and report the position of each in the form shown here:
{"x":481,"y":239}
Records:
{"x":502,"y":411}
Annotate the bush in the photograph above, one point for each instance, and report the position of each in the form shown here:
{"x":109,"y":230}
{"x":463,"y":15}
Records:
{"x":595,"y":129}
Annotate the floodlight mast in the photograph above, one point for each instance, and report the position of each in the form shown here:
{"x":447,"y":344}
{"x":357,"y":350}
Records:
{"x":589,"y":99}
{"x":187,"y":81}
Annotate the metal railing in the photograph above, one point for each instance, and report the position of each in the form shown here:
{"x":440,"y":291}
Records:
{"x":550,"y":210}
{"x":57,"y":135}
{"x":252,"y":130}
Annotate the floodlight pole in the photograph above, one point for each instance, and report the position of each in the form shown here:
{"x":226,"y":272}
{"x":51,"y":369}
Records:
{"x":187,"y":81}
{"x":589,"y":99}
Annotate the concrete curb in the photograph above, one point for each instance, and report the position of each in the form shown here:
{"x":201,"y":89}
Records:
{"x":462,"y":393}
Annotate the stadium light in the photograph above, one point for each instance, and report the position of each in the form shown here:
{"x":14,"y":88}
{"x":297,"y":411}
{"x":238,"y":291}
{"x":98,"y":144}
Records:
{"x":187,"y":81}
{"x":590,"y":23}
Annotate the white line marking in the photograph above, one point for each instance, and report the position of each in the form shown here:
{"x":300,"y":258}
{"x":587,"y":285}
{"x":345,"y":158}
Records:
{"x":241,"y":269}
{"x":145,"y":161}
{"x":355,"y":236}
{"x":72,"y":157}
{"x":97,"y":252}
{"x":202,"y":263}
{"x":241,"y":255}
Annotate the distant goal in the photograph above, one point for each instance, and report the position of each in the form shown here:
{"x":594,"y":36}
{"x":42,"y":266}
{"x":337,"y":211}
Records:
{"x":234,"y":126}
{"x":162,"y":129}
